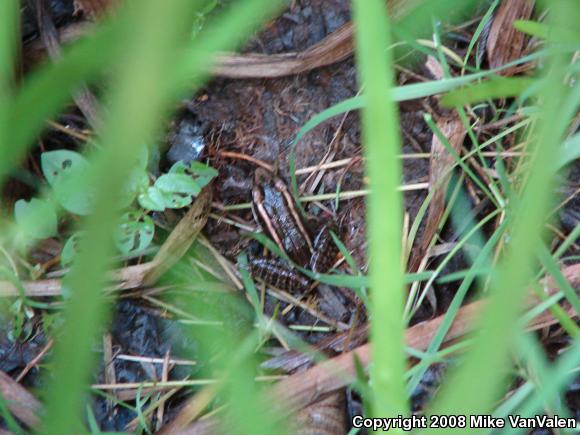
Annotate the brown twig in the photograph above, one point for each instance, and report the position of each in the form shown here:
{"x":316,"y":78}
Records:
{"x":34,"y":360}
{"x":23,"y":405}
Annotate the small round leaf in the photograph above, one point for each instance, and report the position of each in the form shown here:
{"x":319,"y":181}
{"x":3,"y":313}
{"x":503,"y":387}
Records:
{"x":56,"y":163}
{"x":135,"y":233}
{"x":153,"y":199}
{"x":70,"y":250}
{"x":36,"y":218}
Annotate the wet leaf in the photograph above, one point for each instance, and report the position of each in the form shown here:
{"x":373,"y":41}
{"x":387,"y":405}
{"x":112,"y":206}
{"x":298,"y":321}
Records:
{"x":74,"y":193}
{"x":177,"y":183}
{"x":55,"y":164}
{"x":152,"y":199}
{"x":65,"y":171}
{"x":70,"y":250}
{"x":135,"y":232}
{"x":202,"y":170}
{"x":37,"y":218}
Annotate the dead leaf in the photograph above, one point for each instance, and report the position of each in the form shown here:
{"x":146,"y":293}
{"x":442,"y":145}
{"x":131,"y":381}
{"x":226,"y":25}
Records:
{"x":505,"y":43}
{"x":20,"y":402}
{"x":440,"y":165}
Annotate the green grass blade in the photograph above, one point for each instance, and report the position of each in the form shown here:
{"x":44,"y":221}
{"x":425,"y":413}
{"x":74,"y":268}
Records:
{"x":407,"y":92}
{"x":500,"y":87}
{"x":478,"y":382}
{"x":136,"y":109}
{"x":483,"y":260}
{"x":539,"y":371}
{"x":569,"y":152}
{"x":480,"y":28}
{"x":381,"y":140}
{"x":532,"y":28}
{"x":553,"y":269}
{"x":55,"y":82}
{"x":562,"y":373}
{"x":8,"y":31}
{"x":568,"y":241}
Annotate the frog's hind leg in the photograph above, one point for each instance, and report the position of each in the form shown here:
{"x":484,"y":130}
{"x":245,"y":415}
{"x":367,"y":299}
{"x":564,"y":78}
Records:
{"x":278,"y":273}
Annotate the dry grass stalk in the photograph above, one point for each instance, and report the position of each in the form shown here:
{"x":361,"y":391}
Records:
{"x":505,"y":43}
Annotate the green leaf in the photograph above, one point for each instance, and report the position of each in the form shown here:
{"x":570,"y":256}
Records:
{"x":178,"y":168}
{"x":177,"y":183}
{"x":55,"y":164}
{"x":138,"y":182}
{"x":70,"y":250}
{"x":176,"y":199}
{"x":201,"y":169}
{"x":135,"y":232}
{"x":66,"y":172}
{"x":37,"y":218}
{"x":203,"y":181}
{"x":74,"y":192}
{"x":153,"y":199}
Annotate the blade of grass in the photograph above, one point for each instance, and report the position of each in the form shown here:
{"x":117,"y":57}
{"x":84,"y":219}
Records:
{"x":55,"y":82}
{"x":407,"y":92}
{"x":382,"y":143}
{"x":569,"y":152}
{"x":137,"y":104}
{"x":7,"y":417}
{"x":483,"y":260}
{"x":561,"y":374}
{"x":478,"y":382}
{"x":568,"y":241}
{"x":539,"y":371}
{"x":498,"y":87}
{"x":8,"y":31}
{"x":340,"y":280}
{"x":480,"y":27}
{"x":458,"y":160}
{"x":554,"y":270}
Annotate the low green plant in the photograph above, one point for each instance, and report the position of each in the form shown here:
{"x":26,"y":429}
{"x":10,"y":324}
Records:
{"x":64,"y":172}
